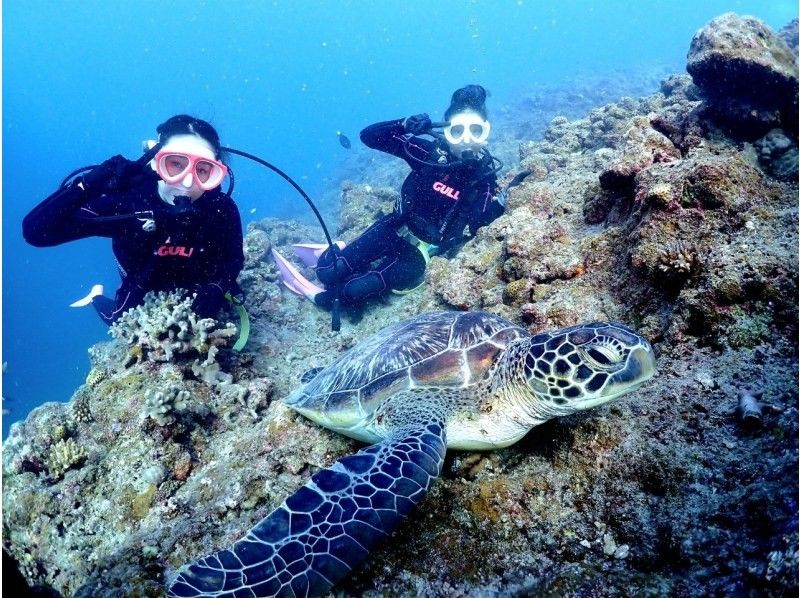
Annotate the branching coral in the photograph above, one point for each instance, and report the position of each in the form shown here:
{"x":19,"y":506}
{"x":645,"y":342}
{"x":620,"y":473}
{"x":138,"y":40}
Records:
{"x":165,"y":326}
{"x":163,"y":405}
{"x":209,"y":370}
{"x":81,"y":412}
{"x":95,"y":377}
{"x":678,"y":258}
{"x":64,"y":455}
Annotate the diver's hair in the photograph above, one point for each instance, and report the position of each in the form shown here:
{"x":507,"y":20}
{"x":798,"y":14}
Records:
{"x":183,"y":124}
{"x":471,"y":97}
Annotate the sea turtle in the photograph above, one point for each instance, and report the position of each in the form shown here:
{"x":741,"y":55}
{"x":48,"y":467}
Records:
{"x":465,"y":380}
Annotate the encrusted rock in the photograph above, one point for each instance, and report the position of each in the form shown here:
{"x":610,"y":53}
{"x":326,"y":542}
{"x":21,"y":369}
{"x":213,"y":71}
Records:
{"x":747,"y":74}
{"x":361,"y":206}
{"x":256,"y":245}
{"x":643,"y":147}
{"x":777,"y":153}
{"x":789,"y":35}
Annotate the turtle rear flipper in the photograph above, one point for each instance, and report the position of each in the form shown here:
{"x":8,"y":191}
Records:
{"x":328,"y":526}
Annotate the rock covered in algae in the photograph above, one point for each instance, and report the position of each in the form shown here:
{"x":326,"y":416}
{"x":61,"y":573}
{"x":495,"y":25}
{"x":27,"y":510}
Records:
{"x":361,"y":205}
{"x":747,"y":73}
{"x":778,"y":154}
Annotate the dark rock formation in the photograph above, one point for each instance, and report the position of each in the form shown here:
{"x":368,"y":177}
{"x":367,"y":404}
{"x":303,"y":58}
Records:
{"x":789,"y":35}
{"x":747,"y":75}
{"x":778,"y":155}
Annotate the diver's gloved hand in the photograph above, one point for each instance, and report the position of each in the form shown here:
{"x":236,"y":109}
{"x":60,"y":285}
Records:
{"x":419,"y":124}
{"x":209,"y":299}
{"x":112,"y":176}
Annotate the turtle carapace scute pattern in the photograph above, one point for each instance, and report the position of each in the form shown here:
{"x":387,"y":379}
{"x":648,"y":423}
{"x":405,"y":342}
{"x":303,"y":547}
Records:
{"x":468,"y":380}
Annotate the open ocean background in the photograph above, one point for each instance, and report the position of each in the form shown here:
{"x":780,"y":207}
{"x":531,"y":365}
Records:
{"x":84,"y":80}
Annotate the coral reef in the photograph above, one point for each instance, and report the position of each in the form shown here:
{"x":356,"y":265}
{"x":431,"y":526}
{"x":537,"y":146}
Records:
{"x":665,"y":211}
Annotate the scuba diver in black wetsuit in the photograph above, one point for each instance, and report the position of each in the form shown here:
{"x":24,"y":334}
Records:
{"x":170,"y":224}
{"x":452,"y":187}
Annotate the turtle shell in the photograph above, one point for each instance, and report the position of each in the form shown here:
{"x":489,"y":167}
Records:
{"x":434,"y":349}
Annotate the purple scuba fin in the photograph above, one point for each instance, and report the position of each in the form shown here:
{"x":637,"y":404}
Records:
{"x":293,"y":280}
{"x":309,"y":252}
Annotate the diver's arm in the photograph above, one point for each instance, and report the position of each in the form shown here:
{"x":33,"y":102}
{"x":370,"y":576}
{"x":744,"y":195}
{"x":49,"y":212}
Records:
{"x":54,"y":221}
{"x":386,"y":136}
{"x":71,"y":212}
{"x":231,"y":255}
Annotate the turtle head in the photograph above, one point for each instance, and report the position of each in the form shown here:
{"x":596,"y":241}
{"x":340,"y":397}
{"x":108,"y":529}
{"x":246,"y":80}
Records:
{"x":587,"y":365}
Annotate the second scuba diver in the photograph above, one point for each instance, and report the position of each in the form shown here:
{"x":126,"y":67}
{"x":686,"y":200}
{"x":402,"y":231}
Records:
{"x":170,"y":224}
{"x":452,"y":187}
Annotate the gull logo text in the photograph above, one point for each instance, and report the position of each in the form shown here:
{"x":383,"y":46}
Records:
{"x":445,"y":190}
{"x":175,"y":250}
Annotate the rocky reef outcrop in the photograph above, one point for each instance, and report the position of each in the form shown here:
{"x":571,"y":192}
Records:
{"x":747,"y":74}
{"x":655,"y":211}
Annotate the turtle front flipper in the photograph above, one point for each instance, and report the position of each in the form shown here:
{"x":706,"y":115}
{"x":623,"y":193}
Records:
{"x":328,"y":526}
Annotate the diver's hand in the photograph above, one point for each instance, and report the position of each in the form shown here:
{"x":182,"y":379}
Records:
{"x":419,"y":124}
{"x":112,"y":176}
{"x":208,"y":300}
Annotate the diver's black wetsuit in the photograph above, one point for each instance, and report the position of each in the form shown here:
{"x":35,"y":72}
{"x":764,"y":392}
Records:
{"x":439,"y":199}
{"x":199,"y":250}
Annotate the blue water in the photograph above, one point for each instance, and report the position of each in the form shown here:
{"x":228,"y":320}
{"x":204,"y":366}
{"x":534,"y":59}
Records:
{"x":83,"y":80}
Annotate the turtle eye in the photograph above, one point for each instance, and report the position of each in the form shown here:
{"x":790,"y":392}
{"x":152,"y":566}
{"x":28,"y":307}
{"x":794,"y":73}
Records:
{"x":603,"y":356}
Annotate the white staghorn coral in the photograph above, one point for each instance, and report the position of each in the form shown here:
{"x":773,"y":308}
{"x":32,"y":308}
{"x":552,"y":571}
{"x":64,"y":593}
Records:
{"x":164,"y":326}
